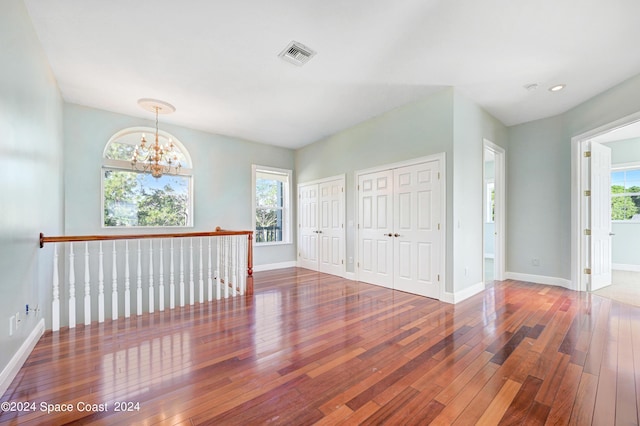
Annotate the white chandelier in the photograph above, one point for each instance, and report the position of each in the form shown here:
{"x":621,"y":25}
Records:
{"x":155,"y":158}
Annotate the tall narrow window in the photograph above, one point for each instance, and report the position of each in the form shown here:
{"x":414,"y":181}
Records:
{"x":133,"y":198}
{"x":271,"y":200}
{"x":490,"y":202}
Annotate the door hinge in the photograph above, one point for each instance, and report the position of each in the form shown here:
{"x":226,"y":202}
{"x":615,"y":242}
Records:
{"x":342,"y":189}
{"x":438,"y":277}
{"x":587,"y":193}
{"x":358,"y":187}
{"x":587,"y":154}
{"x":438,"y":227}
{"x":438,"y":175}
{"x":358,"y":264}
{"x":342,"y":261}
{"x":587,"y":232}
{"x":299,"y":254}
{"x":587,"y":271}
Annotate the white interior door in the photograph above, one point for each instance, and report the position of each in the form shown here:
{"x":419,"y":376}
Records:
{"x":600,"y":217}
{"x":375,"y":242}
{"x":416,"y":215}
{"x":308,"y":226}
{"x":331,"y":227}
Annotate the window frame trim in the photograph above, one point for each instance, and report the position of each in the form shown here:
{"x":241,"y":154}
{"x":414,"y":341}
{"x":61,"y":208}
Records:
{"x":109,"y":163}
{"x":634,"y":165}
{"x":286,"y":208}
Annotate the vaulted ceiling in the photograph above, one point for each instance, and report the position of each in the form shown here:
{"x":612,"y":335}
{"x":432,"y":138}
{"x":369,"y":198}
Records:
{"x":217,"y":61}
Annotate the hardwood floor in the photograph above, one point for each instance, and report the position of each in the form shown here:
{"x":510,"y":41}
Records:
{"x":311,"y":348}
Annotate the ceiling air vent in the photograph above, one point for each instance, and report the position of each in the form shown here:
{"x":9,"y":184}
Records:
{"x":297,"y":53}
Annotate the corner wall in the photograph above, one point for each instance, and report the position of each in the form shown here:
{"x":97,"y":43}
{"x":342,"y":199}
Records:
{"x":31,"y":176}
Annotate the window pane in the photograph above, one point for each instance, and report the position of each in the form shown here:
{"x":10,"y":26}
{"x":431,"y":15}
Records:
{"x":617,"y":182}
{"x":122,"y":148}
{"x":268,"y":225}
{"x":269,"y":193}
{"x":138,"y":199}
{"x":624,"y":207}
{"x":632,"y":178}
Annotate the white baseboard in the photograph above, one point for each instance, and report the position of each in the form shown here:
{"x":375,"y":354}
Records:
{"x":350,"y":276}
{"x":540,"y":279}
{"x":463,"y":294}
{"x":17,"y":361}
{"x":272,"y":266}
{"x":623,"y":267}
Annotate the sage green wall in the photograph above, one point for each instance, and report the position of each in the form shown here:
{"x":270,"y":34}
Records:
{"x":471,"y":126}
{"x":539,"y":199}
{"x":539,"y":180}
{"x":222,"y":175}
{"x":30,"y":172}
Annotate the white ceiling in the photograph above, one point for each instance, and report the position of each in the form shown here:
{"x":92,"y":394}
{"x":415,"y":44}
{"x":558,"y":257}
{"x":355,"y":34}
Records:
{"x":217,"y":62}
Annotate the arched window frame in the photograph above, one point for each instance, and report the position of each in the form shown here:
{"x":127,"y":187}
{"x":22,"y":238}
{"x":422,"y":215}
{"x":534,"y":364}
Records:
{"x":134,"y":134}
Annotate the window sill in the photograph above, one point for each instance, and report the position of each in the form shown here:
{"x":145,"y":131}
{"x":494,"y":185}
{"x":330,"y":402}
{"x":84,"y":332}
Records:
{"x":278,"y":243}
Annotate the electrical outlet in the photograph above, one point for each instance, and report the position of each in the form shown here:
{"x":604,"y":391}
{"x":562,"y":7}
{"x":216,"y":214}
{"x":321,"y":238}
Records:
{"x":535,"y":261}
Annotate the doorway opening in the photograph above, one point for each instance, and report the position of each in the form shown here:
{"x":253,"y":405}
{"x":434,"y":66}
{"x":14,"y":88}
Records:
{"x":606,"y":210}
{"x":493,"y":212}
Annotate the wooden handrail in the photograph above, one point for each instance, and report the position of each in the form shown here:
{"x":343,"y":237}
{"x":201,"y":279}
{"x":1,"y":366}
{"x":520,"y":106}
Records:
{"x":219,"y":232}
{"x":75,"y":238}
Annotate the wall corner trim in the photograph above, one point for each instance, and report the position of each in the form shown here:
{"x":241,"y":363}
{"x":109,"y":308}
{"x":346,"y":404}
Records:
{"x":463,"y":294}
{"x":17,"y":361}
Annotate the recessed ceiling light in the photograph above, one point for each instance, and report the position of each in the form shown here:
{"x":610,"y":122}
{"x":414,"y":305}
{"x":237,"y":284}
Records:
{"x":557,"y":87}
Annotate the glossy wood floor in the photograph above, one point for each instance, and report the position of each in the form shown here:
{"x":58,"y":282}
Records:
{"x":316,"y":349}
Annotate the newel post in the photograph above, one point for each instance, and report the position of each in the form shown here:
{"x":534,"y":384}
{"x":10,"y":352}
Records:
{"x":250,"y":265}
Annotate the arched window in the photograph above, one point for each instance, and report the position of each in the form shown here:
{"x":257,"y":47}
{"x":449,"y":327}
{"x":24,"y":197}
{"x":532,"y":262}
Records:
{"x":134,"y":198}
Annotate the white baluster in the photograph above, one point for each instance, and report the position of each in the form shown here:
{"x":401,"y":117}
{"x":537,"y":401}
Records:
{"x":172,"y":286}
{"x":209,"y":279}
{"x":181,"y":272}
{"x":127,"y":284}
{"x":225,"y":259}
{"x":201,"y":280}
{"x":151,"y":289}
{"x":139,"y":282}
{"x":55,"y":303}
{"x":87,"y":286}
{"x":100,"y":285}
{"x":234,"y":264}
{"x":191,"y":284}
{"x":72,"y":288}
{"x":114,"y":284}
{"x":161,"y":284}
{"x":217,"y":272}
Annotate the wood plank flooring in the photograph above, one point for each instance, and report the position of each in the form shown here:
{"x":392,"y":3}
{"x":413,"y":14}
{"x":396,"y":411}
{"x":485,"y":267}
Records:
{"x":311,"y":348}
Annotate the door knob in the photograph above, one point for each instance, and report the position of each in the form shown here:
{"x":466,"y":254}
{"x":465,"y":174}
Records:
{"x":388,"y":235}
{"x":395,"y":235}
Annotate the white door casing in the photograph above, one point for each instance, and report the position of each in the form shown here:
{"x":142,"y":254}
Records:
{"x":399,"y":240}
{"x":321,"y":233}
{"x":600,"y":216}
{"x":375,"y":237}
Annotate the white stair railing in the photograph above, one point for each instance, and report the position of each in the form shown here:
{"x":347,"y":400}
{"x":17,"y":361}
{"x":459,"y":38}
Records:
{"x":231,"y":275}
